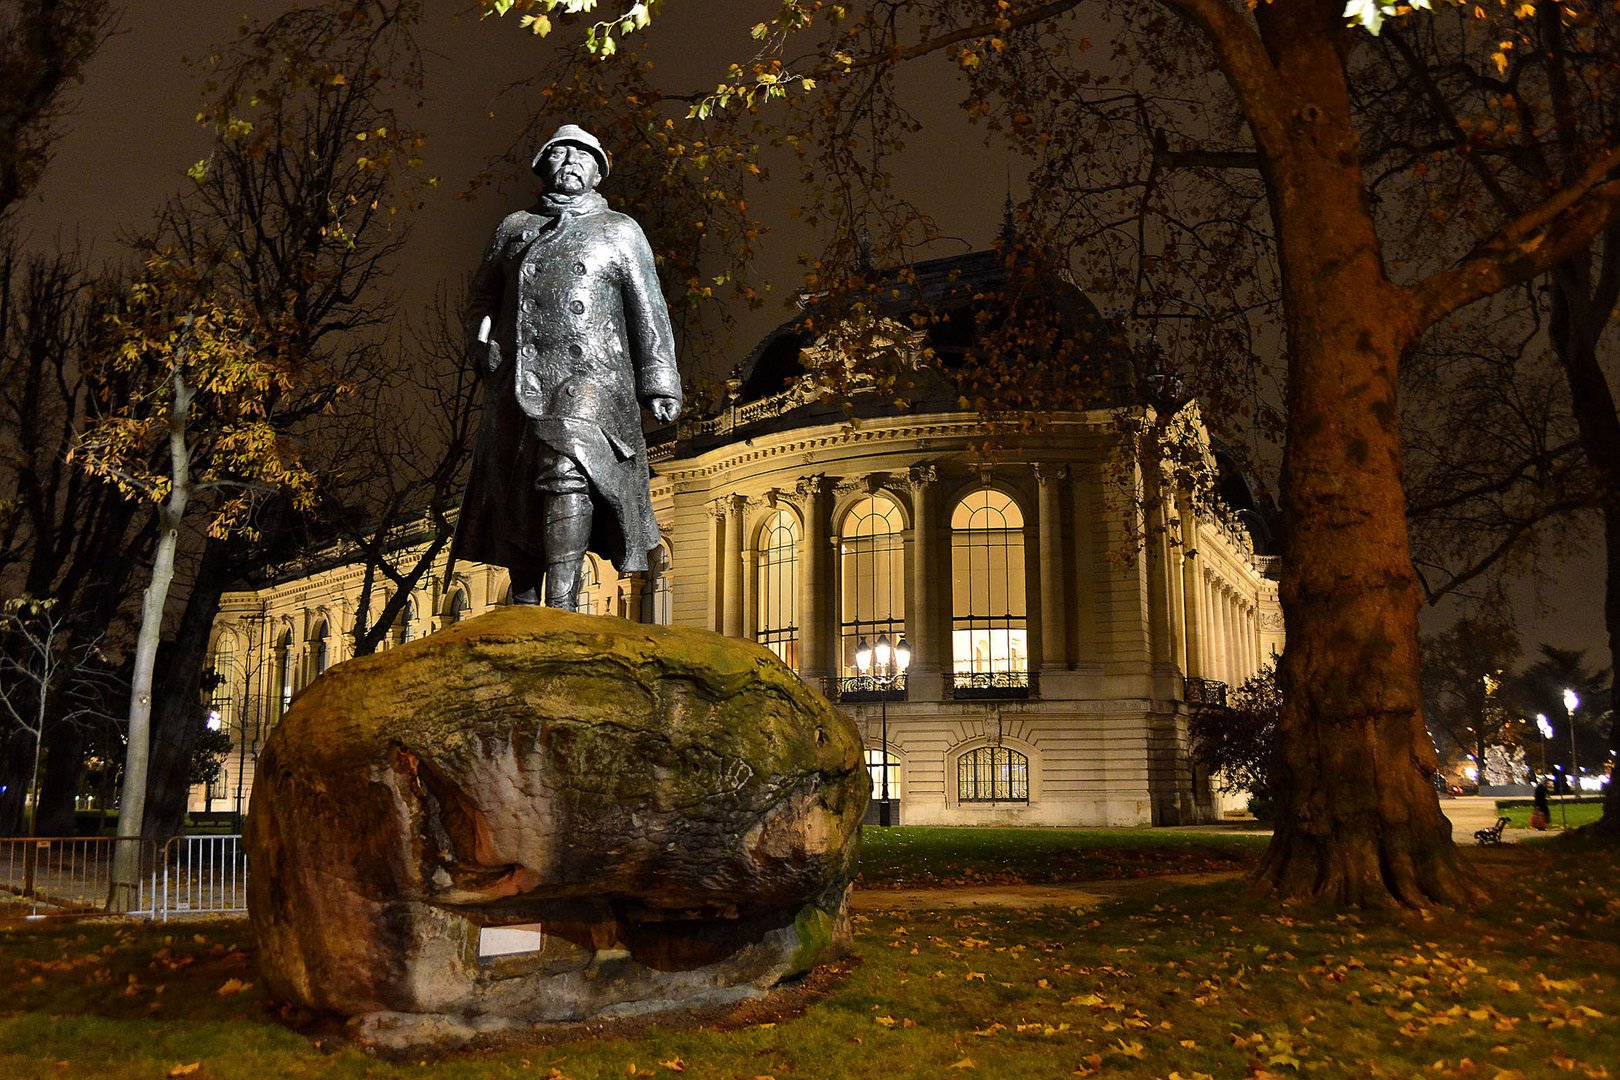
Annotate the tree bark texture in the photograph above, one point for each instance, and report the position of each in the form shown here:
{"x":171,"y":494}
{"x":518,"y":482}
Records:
{"x":1359,"y":819}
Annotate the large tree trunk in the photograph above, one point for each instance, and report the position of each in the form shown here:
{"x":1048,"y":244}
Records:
{"x":1359,"y":819}
{"x":177,"y":713}
{"x":1580,"y":312}
{"x":59,"y":782}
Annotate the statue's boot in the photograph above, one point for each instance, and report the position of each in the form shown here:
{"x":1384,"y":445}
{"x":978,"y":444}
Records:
{"x":525,"y":589}
{"x":568,"y":534}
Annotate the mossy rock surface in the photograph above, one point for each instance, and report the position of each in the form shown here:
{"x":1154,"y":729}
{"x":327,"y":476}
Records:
{"x":672,"y":813}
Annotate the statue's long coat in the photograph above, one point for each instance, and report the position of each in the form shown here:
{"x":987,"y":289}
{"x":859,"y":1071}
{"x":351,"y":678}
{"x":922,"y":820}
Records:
{"x":580,"y":339}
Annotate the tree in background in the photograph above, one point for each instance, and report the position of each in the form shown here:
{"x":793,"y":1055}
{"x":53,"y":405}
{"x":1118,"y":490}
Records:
{"x":1359,"y":819}
{"x":1238,"y":743}
{"x":200,"y":377}
{"x":1466,"y":697}
{"x":1471,"y":131}
{"x":1540,"y":687}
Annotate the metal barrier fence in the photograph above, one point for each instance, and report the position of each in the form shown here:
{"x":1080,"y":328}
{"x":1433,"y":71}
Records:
{"x":202,"y":875}
{"x":48,"y":877}
{"x":71,"y":875}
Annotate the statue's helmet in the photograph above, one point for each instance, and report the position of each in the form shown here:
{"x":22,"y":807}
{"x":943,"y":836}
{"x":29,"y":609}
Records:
{"x":574,"y":135}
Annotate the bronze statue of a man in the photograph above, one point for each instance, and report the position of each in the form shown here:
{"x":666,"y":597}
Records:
{"x":569,"y":329}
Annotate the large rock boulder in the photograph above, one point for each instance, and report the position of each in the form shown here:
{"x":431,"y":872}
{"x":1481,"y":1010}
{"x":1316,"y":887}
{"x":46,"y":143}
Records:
{"x":667,"y":815}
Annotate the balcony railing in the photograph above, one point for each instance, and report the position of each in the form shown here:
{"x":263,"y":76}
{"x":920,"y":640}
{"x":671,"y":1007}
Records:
{"x":1206,"y":693}
{"x":970,"y":685}
{"x":859,"y":688}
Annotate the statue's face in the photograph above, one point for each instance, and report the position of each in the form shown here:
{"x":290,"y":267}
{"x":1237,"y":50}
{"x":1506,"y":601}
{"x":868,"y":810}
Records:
{"x":570,"y":169}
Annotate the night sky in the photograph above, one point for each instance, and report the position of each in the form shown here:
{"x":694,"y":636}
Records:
{"x":130,"y":136}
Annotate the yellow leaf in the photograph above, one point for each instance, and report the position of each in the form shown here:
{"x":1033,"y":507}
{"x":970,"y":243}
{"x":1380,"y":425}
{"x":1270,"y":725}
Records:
{"x":674,"y":1065}
{"x":185,"y":1070}
{"x":232,"y":987}
{"x":965,"y":1063}
{"x":886,"y":1021}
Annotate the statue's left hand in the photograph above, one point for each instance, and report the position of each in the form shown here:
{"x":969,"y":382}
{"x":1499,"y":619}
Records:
{"x":664,"y":409}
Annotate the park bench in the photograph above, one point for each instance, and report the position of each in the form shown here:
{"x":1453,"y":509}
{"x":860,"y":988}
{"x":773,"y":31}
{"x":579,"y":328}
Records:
{"x":1492,"y":835}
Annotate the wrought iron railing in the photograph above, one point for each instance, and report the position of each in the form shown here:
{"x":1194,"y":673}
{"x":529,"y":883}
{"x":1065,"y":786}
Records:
{"x":967,"y":685}
{"x":858,"y":688}
{"x":1206,"y":693}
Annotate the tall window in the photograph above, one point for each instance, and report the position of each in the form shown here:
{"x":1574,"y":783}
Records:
{"x":989,"y":632}
{"x":871,"y":558}
{"x":658,"y":598}
{"x":457,"y":608}
{"x":284,"y":657}
{"x":875,"y":768}
{"x":407,"y":620}
{"x":221,"y":698}
{"x":590,"y":587}
{"x":992,"y":774}
{"x":778,"y":591}
{"x":319,"y":654}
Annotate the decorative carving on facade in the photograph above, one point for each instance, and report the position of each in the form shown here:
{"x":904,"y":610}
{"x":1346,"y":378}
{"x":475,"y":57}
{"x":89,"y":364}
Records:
{"x":1050,"y":472}
{"x":923,"y":475}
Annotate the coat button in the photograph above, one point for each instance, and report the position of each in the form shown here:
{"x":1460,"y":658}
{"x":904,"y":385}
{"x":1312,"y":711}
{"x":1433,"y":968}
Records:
{"x":577,"y":307}
{"x":579,"y":268}
{"x":576,"y":351}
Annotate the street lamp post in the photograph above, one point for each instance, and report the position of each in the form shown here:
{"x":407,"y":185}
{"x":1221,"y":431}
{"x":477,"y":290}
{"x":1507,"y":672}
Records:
{"x":889,"y":668}
{"x":1571,"y":703}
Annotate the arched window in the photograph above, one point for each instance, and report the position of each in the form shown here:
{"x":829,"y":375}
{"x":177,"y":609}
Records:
{"x":989,"y":631}
{"x":222,"y":698}
{"x":319,"y":653}
{"x":871,"y":558}
{"x":590,"y":587}
{"x":658,"y":598}
{"x":992,"y":774}
{"x":778,"y":587}
{"x":407,"y":620}
{"x":456,"y":610}
{"x":284,"y":668}
{"x":875,"y":761}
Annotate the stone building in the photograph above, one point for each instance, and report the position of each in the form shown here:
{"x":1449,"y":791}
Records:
{"x":1064,"y":601}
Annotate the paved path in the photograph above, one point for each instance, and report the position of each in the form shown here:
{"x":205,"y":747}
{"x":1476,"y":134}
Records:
{"x":1082,"y":896}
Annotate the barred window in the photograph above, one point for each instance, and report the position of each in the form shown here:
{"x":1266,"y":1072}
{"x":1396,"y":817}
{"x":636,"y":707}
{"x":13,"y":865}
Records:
{"x":992,"y":774}
{"x":871,"y":556}
{"x":989,"y":630}
{"x":658,"y":599}
{"x":778,"y":587}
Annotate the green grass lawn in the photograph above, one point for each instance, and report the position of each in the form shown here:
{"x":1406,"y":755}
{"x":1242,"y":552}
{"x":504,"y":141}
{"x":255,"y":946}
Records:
{"x":920,"y":856}
{"x":1576,"y":814}
{"x":1201,"y":981}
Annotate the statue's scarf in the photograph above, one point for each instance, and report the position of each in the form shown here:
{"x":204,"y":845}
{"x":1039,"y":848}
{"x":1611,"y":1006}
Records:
{"x":556,"y":206}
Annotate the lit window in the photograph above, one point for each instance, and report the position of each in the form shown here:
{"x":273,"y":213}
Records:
{"x":871,"y":556}
{"x":874,"y":768}
{"x":988,"y":626}
{"x":992,"y":774}
{"x":778,"y":592}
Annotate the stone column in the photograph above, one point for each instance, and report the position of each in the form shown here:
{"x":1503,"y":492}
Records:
{"x":928,"y":651}
{"x":1054,"y":611}
{"x":717,"y":565}
{"x":815,"y":583}
{"x":1192,"y":592}
{"x":732,"y":567}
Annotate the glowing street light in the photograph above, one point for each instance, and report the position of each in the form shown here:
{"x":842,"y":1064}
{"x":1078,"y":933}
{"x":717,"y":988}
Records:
{"x":1544,"y":726}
